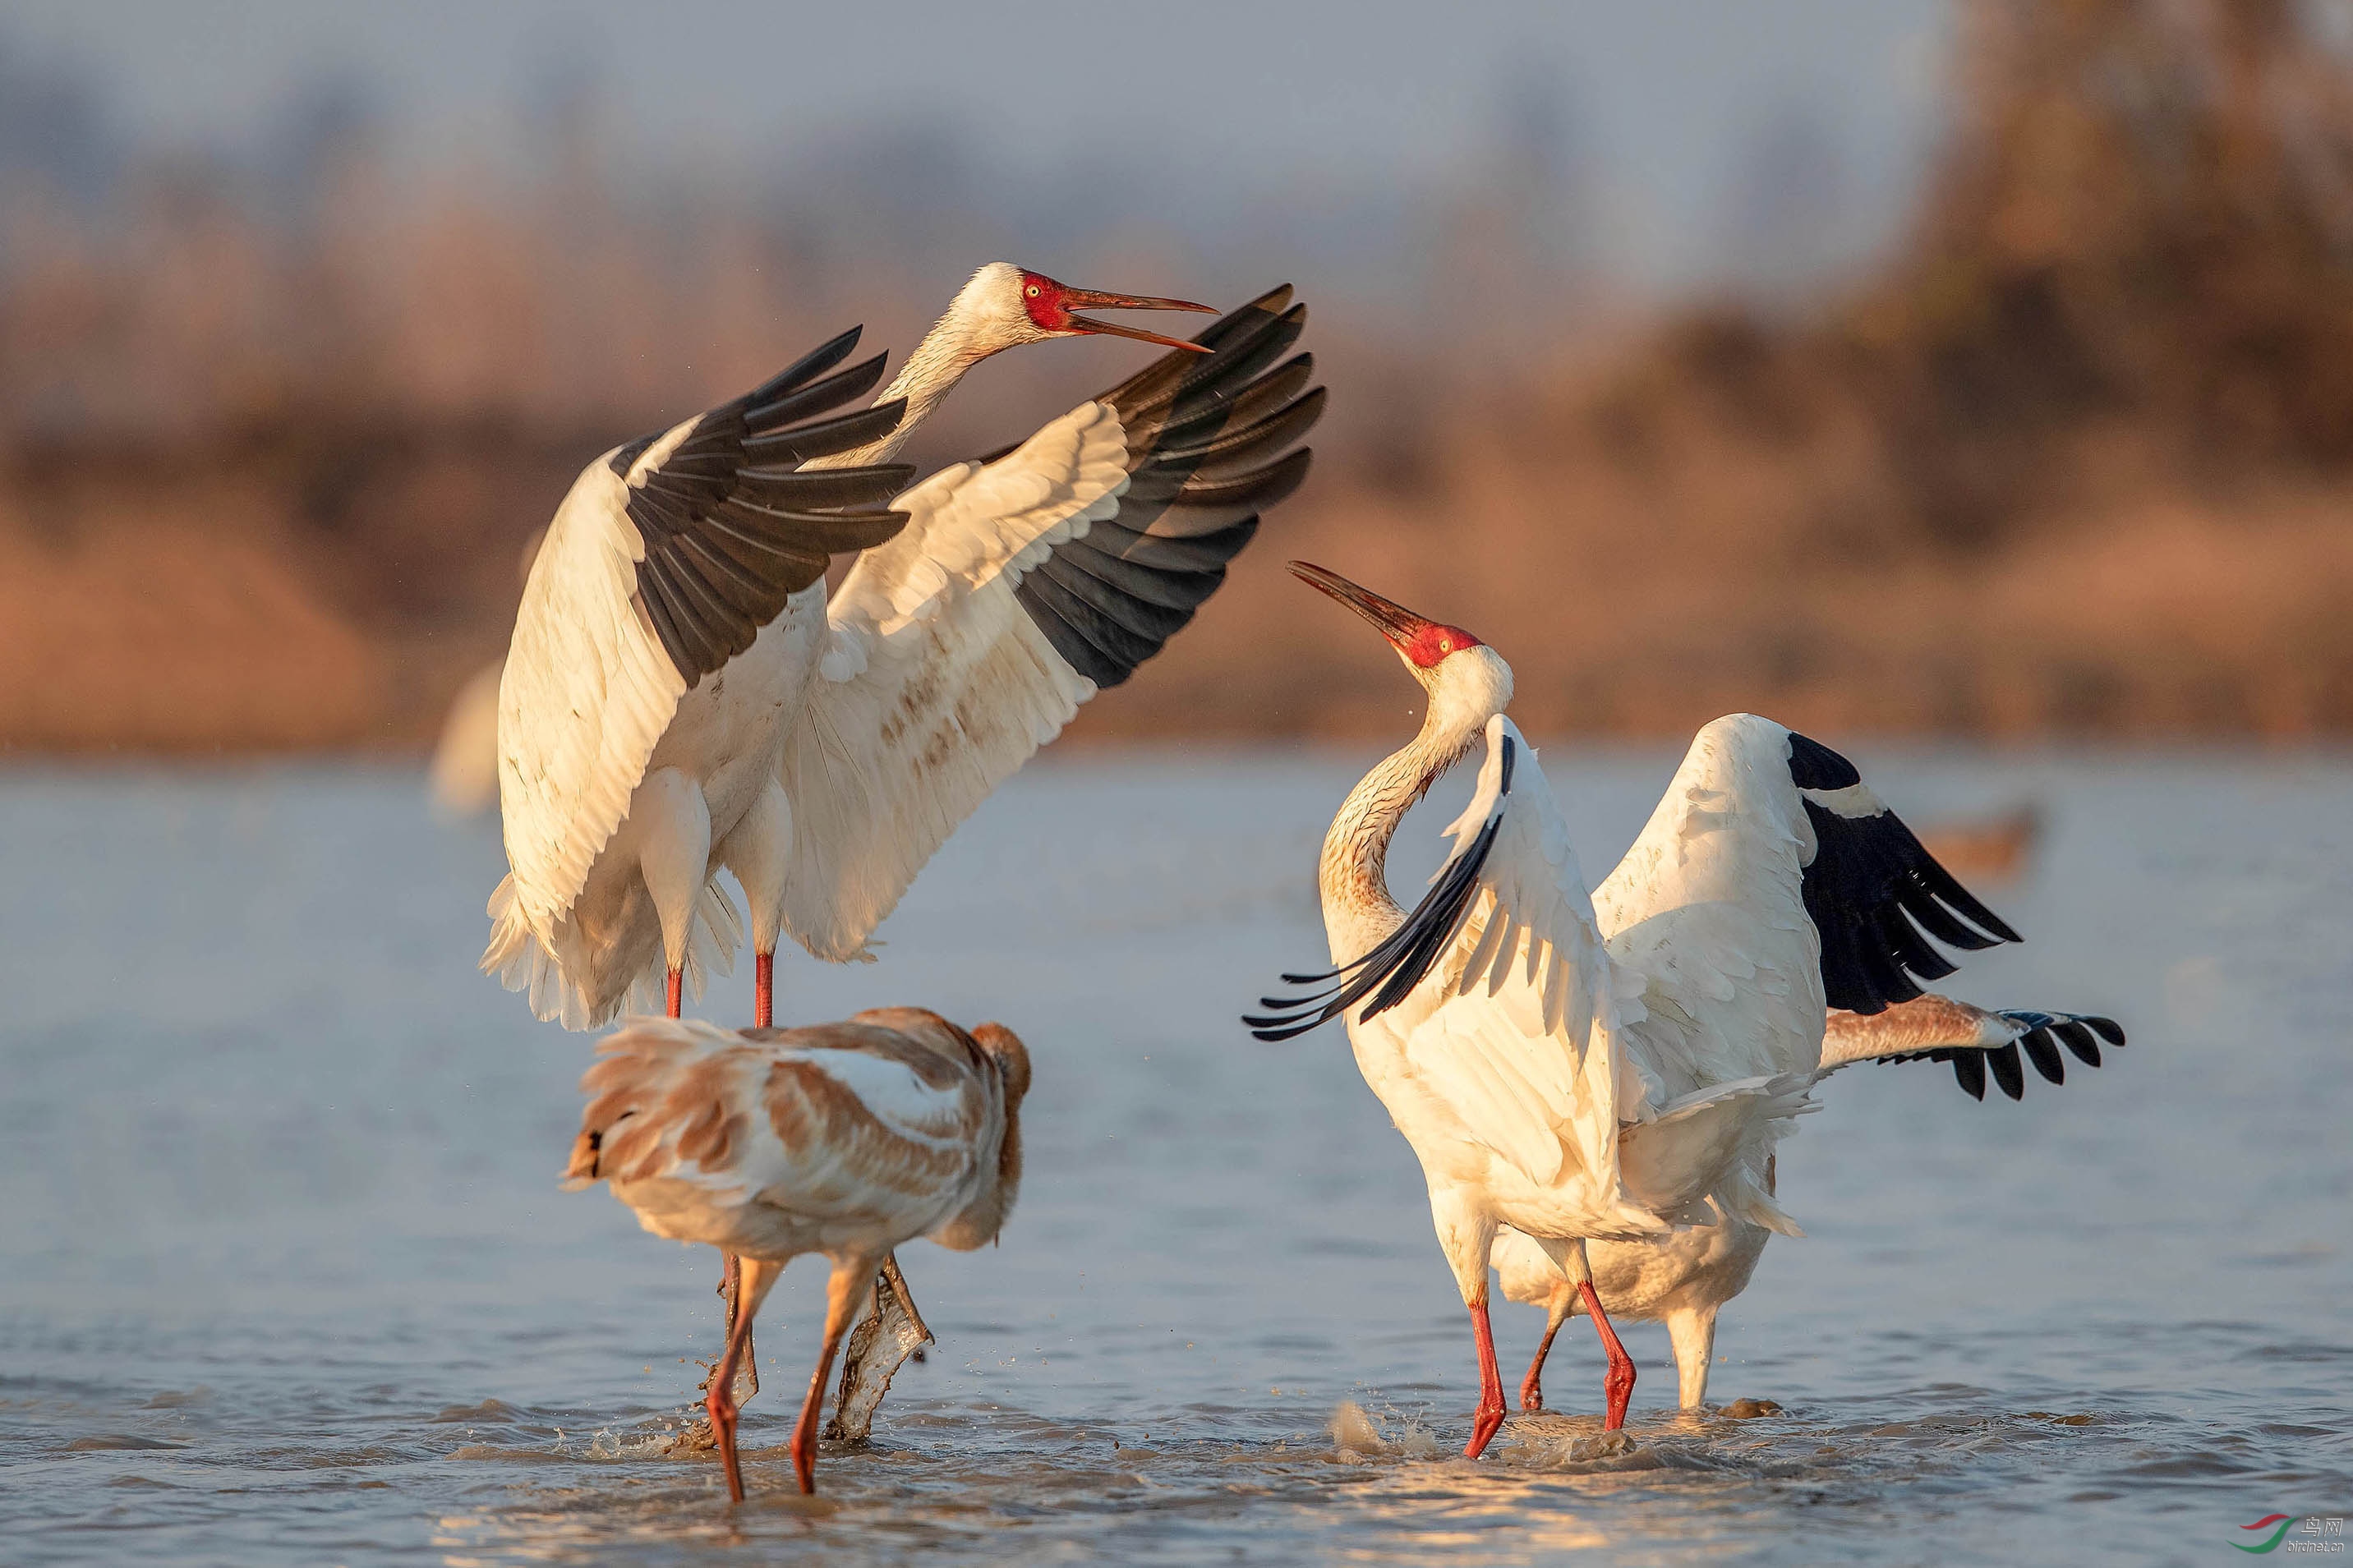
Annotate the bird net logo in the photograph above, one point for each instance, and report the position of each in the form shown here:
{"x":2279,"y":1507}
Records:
{"x":2293,"y":1533}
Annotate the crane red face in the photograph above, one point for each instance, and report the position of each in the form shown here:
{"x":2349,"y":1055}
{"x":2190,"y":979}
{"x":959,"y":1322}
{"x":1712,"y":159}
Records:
{"x":1053,"y":308}
{"x":1424,"y":641}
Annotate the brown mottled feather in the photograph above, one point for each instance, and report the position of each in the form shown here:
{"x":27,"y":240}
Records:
{"x":808,"y":1106}
{"x":979,"y":1223}
{"x":680,"y":1117}
{"x":769,"y":1145}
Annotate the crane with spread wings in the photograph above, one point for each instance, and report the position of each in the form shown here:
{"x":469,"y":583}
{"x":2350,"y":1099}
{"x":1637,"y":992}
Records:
{"x":1612,"y":1064}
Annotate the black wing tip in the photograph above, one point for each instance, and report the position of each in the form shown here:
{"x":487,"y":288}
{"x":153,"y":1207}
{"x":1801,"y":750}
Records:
{"x":729,"y":539}
{"x":824,"y":438}
{"x":2039,"y":1046}
{"x":629,"y":451}
{"x":813,"y":397}
{"x":2041,"y":1049}
{"x":1876,"y":895}
{"x":1286,"y":1024}
{"x":1968,"y":1071}
{"x":831,"y":351}
{"x":1948,"y":887}
{"x":2003,"y":1064}
{"x":1276,"y":304}
{"x":2081,"y":1033}
{"x":1282,"y":479}
{"x":1813,"y":765}
{"x":1102,"y":626}
{"x":1388,"y":973}
{"x":1259,"y":490}
{"x":814,"y":363}
{"x":1238,"y":344}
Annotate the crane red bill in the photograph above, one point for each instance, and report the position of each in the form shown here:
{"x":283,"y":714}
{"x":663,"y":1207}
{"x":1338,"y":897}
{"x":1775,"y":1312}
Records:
{"x":1397,"y":623}
{"x":1095,"y":300}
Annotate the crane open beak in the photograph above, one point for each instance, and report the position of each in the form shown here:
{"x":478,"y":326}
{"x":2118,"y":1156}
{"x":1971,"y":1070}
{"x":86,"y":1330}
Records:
{"x":1397,"y":623}
{"x":1090,"y":300}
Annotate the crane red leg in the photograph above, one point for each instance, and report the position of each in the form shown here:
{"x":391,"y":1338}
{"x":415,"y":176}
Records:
{"x":676,"y":987}
{"x":730,"y":1292}
{"x":720,"y":1402}
{"x":1619,"y":1386}
{"x":843,"y":1293}
{"x":1531,"y":1385}
{"x":1489,"y":1417}
{"x":763,"y":990}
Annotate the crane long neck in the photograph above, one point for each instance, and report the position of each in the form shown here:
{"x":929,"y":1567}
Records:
{"x":1353,"y":877}
{"x":952,"y":347}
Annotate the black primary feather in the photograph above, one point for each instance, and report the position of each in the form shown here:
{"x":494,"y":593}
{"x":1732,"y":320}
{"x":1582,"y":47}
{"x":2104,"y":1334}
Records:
{"x":1206,"y":456}
{"x":1390,"y":972}
{"x":731,"y":532}
{"x":1872,"y":889}
{"x":2045,"y":1033}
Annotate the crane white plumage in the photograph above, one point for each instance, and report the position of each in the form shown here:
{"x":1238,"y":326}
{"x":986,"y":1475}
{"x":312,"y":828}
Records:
{"x":842,"y":1139}
{"x":1608,"y":1067}
{"x":680,"y":556}
{"x":1685,"y":1279}
{"x":1022,"y":584}
{"x":834,"y":747}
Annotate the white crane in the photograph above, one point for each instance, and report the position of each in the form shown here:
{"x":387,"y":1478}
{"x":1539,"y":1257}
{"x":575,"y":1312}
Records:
{"x":831,"y":752}
{"x":1022,"y":585}
{"x":1684,"y":1279}
{"x":1601,"y":1066}
{"x":842,"y":1139}
{"x":680,"y":696}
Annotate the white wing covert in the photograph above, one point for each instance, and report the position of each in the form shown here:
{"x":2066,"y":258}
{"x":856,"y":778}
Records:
{"x":934,"y":686}
{"x":1707,"y":912}
{"x":1770,"y":884}
{"x":1023,"y":584}
{"x":665,"y":560}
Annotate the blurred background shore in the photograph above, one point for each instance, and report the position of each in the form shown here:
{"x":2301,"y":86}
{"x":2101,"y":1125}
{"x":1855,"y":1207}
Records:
{"x":1979,"y":370}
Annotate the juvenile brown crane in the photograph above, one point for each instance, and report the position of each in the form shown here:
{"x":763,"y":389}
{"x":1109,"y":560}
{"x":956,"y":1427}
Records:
{"x":842,"y":1139}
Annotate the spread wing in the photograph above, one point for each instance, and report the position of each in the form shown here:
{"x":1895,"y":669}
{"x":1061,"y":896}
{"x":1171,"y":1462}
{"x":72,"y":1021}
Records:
{"x":1023,"y":584}
{"x":1769,"y":883}
{"x":1501,"y":989}
{"x":1209,"y":447}
{"x":664,"y":561}
{"x":1976,"y":1040}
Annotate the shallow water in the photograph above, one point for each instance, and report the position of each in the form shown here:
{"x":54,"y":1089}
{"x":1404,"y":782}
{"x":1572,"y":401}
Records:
{"x":285,"y":1277}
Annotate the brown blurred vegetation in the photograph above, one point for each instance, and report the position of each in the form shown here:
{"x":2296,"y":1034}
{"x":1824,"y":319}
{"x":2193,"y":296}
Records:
{"x":2074,"y":460}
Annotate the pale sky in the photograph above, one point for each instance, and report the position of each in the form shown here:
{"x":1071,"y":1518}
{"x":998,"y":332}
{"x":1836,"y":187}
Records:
{"x":1665,"y":98}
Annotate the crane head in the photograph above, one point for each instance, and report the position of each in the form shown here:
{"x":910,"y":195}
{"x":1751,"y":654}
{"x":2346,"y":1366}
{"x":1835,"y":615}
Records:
{"x":1053,"y":308}
{"x":1422,"y":643}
